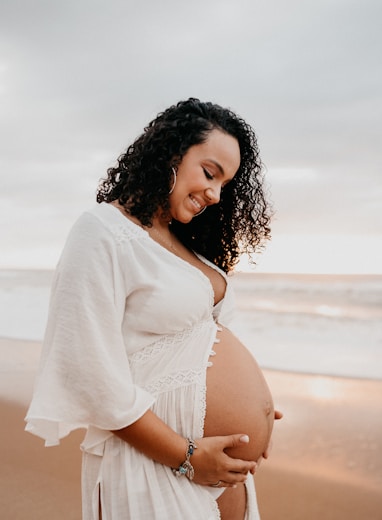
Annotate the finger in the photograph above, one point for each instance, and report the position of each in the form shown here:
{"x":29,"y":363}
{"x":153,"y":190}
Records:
{"x":242,"y":467}
{"x":233,"y":441}
{"x":268,"y":450}
{"x":229,"y":484}
{"x":236,"y":478}
{"x":223,"y":484}
{"x":231,"y":479}
{"x":265,"y":455}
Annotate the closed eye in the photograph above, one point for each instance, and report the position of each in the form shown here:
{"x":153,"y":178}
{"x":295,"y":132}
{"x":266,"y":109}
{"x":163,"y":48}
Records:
{"x":207,"y":174}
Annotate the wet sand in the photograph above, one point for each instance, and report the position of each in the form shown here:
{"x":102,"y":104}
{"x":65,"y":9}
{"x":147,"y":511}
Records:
{"x":326,"y":462}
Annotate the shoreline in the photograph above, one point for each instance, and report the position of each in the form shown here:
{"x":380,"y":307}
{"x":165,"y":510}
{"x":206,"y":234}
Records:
{"x":36,"y":344}
{"x":326,"y":460}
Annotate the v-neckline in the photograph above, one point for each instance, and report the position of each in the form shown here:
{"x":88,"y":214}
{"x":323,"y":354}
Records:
{"x":193,"y":268}
{"x":178,"y":258}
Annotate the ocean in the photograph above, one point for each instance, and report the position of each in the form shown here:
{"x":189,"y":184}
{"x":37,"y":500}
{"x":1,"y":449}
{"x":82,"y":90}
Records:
{"x":318,"y":324}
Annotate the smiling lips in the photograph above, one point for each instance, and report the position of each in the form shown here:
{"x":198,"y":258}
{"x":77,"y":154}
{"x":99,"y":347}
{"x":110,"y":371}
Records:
{"x":196,"y":203}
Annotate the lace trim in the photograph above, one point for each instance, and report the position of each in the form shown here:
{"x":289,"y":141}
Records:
{"x":166,"y":342}
{"x":202,"y":408}
{"x":172,"y":381}
{"x":215,"y":508}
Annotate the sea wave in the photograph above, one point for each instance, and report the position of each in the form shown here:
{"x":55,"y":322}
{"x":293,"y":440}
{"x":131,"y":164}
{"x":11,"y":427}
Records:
{"x":314,"y":324}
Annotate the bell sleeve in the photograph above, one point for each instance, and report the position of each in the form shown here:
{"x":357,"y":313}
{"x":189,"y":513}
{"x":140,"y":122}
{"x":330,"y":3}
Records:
{"x":84,"y":379}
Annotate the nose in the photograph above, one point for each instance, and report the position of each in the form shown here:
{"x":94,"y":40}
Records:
{"x":213,"y":194}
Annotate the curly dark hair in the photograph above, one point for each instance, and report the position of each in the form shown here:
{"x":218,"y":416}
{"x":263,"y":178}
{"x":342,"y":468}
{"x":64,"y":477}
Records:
{"x":141,"y":180}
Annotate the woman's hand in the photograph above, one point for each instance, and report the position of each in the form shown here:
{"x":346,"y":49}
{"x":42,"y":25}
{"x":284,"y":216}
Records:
{"x":213,"y":467}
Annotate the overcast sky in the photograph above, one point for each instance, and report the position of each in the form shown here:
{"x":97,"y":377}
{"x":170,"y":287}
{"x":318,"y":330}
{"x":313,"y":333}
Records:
{"x":80,"y":78}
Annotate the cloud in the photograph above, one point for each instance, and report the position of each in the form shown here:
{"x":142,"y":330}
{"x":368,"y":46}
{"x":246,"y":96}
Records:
{"x":79,"y":80}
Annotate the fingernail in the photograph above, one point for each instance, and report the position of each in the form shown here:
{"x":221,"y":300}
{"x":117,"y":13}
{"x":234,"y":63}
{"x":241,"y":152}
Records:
{"x":244,"y":438}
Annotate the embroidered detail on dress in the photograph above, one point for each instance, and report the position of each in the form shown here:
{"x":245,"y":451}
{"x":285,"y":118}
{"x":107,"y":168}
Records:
{"x":212,"y":353}
{"x":166,"y":342}
{"x":209,"y":364}
{"x":123,"y":233}
{"x":172,"y":381}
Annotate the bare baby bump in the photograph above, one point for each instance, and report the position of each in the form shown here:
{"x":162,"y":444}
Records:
{"x":238,"y":397}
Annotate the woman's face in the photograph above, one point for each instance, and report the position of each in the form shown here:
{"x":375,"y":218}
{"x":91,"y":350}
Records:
{"x":204,"y":170}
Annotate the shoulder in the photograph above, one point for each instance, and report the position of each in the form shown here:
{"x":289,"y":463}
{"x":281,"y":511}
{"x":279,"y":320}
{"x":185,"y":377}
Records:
{"x":103,"y":227}
{"x":104,"y":220}
{"x":102,"y":236}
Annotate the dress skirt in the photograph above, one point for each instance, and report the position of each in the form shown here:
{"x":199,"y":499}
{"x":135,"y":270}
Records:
{"x":118,"y":481}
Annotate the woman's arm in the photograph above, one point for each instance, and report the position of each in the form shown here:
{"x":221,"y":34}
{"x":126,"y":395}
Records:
{"x":156,"y":440}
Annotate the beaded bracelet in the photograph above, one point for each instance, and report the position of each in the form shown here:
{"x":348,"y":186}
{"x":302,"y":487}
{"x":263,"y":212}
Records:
{"x":186,"y":467}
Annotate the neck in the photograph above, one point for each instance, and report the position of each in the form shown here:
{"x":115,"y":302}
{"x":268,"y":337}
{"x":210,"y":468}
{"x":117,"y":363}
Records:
{"x":161,"y":223}
{"x":162,"y":234}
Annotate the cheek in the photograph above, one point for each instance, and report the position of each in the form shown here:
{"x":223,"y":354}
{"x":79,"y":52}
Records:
{"x":181,"y":191}
{"x":175,"y":200}
{"x":189,"y":180}
{"x":179,"y":210}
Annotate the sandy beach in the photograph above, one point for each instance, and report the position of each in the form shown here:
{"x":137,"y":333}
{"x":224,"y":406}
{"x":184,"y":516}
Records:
{"x":326,"y":462}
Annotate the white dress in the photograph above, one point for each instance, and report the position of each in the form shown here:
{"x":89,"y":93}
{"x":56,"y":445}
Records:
{"x":131,"y":327}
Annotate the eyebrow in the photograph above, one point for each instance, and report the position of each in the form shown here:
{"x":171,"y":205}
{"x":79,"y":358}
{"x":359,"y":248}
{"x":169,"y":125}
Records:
{"x":218,"y":165}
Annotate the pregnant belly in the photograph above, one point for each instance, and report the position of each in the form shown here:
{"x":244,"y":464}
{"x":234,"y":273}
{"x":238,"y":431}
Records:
{"x":238,"y":397}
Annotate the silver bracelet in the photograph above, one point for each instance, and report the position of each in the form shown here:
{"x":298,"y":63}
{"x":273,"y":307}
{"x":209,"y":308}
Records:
{"x":186,"y":468}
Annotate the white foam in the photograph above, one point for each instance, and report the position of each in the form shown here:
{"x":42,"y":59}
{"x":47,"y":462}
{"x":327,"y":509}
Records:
{"x":295,"y":325}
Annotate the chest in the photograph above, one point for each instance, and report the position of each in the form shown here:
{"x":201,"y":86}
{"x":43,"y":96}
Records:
{"x":217,"y":281}
{"x":170,"y":295}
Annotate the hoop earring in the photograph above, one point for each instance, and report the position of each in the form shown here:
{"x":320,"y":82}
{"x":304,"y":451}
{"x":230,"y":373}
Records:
{"x":173,"y":186}
{"x":201,"y":211}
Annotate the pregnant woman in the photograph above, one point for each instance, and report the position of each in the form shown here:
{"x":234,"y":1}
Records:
{"x":137,"y":348}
